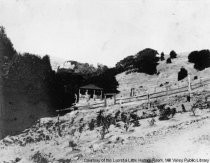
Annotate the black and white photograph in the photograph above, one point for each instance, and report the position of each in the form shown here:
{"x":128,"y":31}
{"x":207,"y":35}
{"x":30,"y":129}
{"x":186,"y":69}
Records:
{"x":104,"y":81}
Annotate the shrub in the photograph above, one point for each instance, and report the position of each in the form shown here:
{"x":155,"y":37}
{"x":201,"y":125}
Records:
{"x":173,"y":112}
{"x":182,"y":74}
{"x":117,"y":114}
{"x":162,"y":56}
{"x":173,"y":54}
{"x":99,"y":118}
{"x":164,"y":113}
{"x":126,"y":118}
{"x":102,"y":122}
{"x":151,"y":122}
{"x":39,"y":157}
{"x":168,"y":60}
{"x":193,"y":109}
{"x":91,"y":124}
{"x":72,"y":144}
{"x":81,"y":128}
{"x":135,"y":119}
{"x":183,"y":108}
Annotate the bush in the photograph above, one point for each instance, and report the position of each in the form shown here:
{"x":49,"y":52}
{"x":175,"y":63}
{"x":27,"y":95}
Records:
{"x":91,"y":124}
{"x":103,"y":122}
{"x":182,"y":74}
{"x":173,"y":54}
{"x":39,"y":157}
{"x":151,"y":122}
{"x":135,"y":119}
{"x":201,"y":59}
{"x":168,"y":61}
{"x":162,"y":57}
{"x":164,"y":113}
{"x":125,"y":117}
{"x":72,"y":144}
{"x":183,"y":108}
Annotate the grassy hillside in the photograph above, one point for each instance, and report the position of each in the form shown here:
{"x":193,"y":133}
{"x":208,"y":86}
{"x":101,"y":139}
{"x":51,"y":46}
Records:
{"x":167,"y":73}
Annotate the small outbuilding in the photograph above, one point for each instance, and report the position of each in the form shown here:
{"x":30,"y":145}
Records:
{"x":90,"y":91}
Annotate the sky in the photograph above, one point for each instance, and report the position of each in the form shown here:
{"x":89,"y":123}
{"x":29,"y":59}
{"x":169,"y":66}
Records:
{"x":105,"y":31}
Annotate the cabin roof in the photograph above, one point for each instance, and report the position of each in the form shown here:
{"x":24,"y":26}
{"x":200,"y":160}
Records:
{"x":91,"y":86}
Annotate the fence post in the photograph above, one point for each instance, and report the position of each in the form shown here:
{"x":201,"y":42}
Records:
{"x":189,"y":86}
{"x":114,"y":99}
{"x":167,"y":93}
{"x":148,"y":96}
{"x":59,"y":131}
{"x":201,"y":82}
{"x":105,"y":102}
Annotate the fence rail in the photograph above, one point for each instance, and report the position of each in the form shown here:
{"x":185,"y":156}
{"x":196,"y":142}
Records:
{"x":163,"y":93}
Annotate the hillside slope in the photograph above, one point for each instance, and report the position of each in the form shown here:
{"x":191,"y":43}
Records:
{"x":167,"y":73}
{"x":75,"y":141}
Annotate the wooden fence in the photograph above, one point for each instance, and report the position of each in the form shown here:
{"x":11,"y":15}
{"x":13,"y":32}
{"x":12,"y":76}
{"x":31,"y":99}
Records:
{"x":152,"y":96}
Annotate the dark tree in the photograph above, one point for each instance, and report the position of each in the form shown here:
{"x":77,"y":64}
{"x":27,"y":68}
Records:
{"x":201,"y":59}
{"x":6,"y":47}
{"x":125,"y":64}
{"x":46,"y":62}
{"x":106,"y":80}
{"x":193,"y":56}
{"x":168,"y":60}
{"x":173,"y":54}
{"x":182,"y":73}
{"x":162,"y":57}
{"x":144,"y":61}
{"x":147,"y":61}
